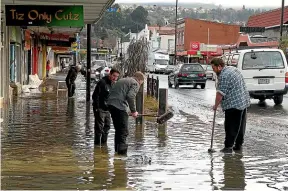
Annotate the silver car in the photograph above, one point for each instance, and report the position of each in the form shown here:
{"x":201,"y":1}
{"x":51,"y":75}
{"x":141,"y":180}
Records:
{"x":210,"y":74}
{"x":99,"y":69}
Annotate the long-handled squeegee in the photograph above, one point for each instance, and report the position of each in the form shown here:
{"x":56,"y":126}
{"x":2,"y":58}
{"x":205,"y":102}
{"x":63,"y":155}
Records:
{"x":160,"y":119}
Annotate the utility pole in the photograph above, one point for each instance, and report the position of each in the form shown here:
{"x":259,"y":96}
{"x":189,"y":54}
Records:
{"x":121,"y":53}
{"x":175,"y":46}
{"x":282,"y":20}
{"x":208,"y":45}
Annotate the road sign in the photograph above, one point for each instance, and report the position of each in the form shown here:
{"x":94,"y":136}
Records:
{"x":114,"y":9}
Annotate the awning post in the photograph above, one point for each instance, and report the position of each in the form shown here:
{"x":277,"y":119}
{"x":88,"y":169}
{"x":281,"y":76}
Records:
{"x":88,"y":70}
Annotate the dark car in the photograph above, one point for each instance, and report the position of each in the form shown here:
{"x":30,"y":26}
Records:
{"x":188,"y":74}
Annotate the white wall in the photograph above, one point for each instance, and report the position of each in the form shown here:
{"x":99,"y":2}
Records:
{"x":167,"y":42}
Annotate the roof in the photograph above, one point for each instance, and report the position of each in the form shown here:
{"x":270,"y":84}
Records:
{"x":166,"y":32}
{"x":261,"y":50}
{"x":93,"y":11}
{"x":272,"y":42}
{"x":157,"y":28}
{"x":210,"y":22}
{"x":268,"y":19}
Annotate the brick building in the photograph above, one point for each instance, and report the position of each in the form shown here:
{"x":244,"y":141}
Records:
{"x":202,"y":39}
{"x":192,"y":30}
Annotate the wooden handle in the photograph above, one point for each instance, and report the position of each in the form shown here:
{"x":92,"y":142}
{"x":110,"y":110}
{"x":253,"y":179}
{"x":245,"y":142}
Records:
{"x":148,"y":115}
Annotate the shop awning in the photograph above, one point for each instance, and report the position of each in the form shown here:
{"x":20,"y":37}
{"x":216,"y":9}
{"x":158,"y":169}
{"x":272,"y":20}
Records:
{"x":93,"y":10}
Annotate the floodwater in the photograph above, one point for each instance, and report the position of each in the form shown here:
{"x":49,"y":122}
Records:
{"x":47,"y":143}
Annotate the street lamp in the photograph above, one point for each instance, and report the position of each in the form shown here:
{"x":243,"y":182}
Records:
{"x":282,"y":20}
{"x":175,"y":46}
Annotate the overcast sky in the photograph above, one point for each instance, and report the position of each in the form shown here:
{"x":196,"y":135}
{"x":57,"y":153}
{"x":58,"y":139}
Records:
{"x":254,"y":3}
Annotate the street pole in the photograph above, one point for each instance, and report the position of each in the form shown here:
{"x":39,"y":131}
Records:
{"x":121,"y":52}
{"x":175,"y":46}
{"x":118,"y":42}
{"x":88,"y":70}
{"x":282,"y":20}
{"x":208,"y":45}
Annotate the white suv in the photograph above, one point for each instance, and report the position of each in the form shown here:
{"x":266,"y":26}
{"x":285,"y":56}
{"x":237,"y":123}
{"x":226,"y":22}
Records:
{"x":265,"y":72}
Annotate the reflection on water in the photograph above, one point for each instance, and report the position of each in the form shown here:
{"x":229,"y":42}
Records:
{"x":234,"y":172}
{"x":48,"y":143}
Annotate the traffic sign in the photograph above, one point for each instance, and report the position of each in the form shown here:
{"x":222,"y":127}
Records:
{"x":111,"y":9}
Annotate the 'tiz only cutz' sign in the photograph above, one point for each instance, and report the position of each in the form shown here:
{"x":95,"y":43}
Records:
{"x":29,"y":15}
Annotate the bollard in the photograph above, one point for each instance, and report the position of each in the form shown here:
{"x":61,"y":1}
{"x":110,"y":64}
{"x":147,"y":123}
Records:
{"x":162,"y":108}
{"x":163,"y":96}
{"x":140,"y":104}
{"x":157,"y":88}
{"x":148,"y":86}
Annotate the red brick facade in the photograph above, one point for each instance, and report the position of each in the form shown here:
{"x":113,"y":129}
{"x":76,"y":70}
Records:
{"x":197,"y":31}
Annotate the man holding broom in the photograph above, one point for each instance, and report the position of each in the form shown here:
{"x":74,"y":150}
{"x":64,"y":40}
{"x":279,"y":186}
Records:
{"x":234,"y":97}
{"x":121,"y":100}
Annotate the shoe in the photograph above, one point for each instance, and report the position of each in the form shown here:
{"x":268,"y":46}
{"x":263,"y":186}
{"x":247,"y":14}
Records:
{"x":104,"y":138}
{"x":237,"y":148}
{"x":97,"y":139}
{"x":227,"y":150}
{"x":122,"y":149}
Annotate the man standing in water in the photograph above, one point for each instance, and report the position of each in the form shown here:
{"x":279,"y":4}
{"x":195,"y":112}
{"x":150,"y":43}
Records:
{"x":234,"y":97}
{"x":100,"y":108}
{"x":70,"y":79}
{"x":121,"y":99}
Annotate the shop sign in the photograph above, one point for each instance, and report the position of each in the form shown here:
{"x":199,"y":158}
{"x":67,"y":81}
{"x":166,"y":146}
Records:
{"x":44,"y":15}
{"x":59,"y":48}
{"x":252,"y":29}
{"x":102,"y":50}
{"x":27,"y":40}
{"x":195,"y":46}
{"x":208,"y":47}
{"x":57,"y":37}
{"x":58,"y":43}
{"x":13,"y":34}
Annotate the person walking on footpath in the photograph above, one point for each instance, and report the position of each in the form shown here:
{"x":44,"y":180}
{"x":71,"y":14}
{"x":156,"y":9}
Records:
{"x":234,"y":97}
{"x":121,"y":100}
{"x":100,"y":107}
{"x":70,"y":79}
{"x":48,"y":67}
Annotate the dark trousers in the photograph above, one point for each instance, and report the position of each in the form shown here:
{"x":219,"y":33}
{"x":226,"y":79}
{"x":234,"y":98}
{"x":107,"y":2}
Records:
{"x":235,"y":126}
{"x":71,"y":89}
{"x":101,"y":126}
{"x":120,"y":122}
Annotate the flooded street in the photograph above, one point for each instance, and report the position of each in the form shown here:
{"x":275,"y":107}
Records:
{"x":48,"y":143}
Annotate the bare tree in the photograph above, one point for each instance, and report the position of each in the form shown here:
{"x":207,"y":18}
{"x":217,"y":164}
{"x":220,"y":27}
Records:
{"x":137,"y":58}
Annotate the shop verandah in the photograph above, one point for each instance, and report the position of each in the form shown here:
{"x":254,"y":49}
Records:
{"x":33,"y":32}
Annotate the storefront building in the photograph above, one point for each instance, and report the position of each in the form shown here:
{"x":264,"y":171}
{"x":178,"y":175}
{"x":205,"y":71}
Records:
{"x":202,"y":40}
{"x":23,"y":51}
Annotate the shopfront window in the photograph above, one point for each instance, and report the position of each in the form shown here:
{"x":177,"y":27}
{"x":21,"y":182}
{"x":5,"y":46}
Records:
{"x":12,"y":63}
{"x":15,"y":65}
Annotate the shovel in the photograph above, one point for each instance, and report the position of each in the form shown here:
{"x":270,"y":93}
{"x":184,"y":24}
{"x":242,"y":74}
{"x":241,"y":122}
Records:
{"x":211,"y":150}
{"x":160,"y":119}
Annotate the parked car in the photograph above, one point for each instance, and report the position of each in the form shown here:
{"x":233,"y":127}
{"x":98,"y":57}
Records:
{"x":265,"y":72}
{"x":188,"y":74}
{"x":170,"y":68}
{"x":210,"y":74}
{"x":99,"y":69}
{"x":234,"y":57}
